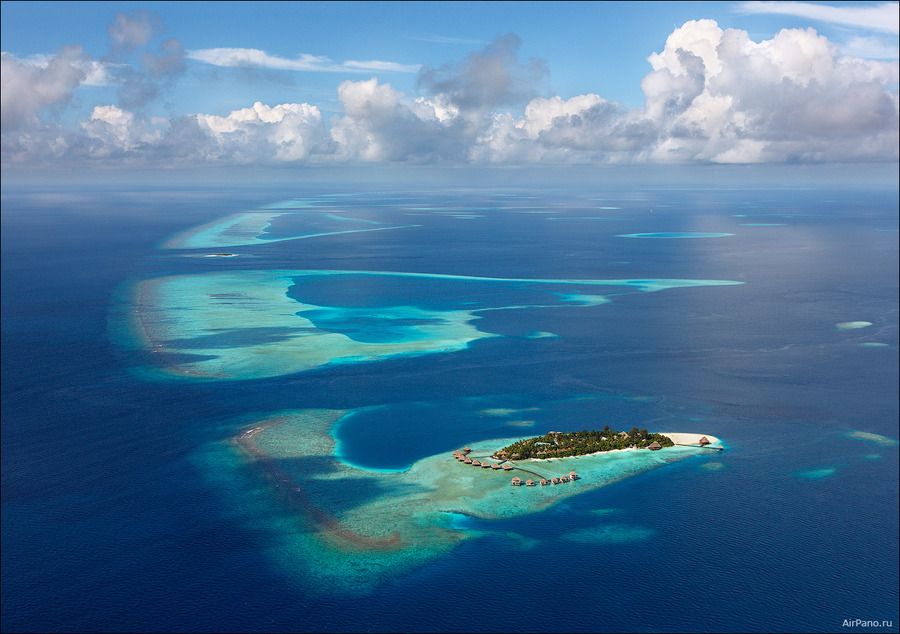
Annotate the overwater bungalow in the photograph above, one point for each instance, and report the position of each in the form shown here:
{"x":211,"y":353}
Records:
{"x":517,"y":481}
{"x":495,"y":466}
{"x":476,"y":462}
{"x":563,"y":478}
{"x":704,"y":441}
{"x":467,"y":449}
{"x":507,"y":467}
{"x":544,"y":482}
{"x":485,"y":465}
{"x":654,"y":446}
{"x":468,"y":461}
{"x":529,"y":483}
{"x":554,"y":481}
{"x":573,"y":476}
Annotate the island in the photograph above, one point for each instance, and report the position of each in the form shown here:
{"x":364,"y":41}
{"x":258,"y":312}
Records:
{"x":556,"y":444}
{"x":337,"y":527}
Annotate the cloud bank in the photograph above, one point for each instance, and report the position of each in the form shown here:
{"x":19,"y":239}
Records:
{"x":711,"y":96}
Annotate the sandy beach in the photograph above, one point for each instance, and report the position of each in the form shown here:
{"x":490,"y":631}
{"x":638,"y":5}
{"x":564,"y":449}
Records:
{"x":683,"y":438}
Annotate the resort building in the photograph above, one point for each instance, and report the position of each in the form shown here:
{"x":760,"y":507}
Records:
{"x":544,"y":482}
{"x":573,"y":476}
{"x":654,"y":446}
{"x":517,"y":482}
{"x":529,"y":483}
{"x":507,"y":467}
{"x":704,"y":441}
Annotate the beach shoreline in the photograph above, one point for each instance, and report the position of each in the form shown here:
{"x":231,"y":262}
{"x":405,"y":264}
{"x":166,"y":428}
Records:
{"x":679,"y":438}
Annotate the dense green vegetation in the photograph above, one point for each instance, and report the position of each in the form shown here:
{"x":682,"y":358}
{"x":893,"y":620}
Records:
{"x":578,"y":443}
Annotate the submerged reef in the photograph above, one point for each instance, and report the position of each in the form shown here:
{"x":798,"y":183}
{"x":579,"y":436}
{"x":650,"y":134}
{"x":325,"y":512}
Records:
{"x":256,"y":227}
{"x":346,"y":528}
{"x":255,"y":324}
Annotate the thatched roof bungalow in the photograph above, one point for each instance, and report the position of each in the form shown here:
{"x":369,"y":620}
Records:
{"x":529,"y":483}
{"x":573,"y":475}
{"x":654,"y":446}
{"x":507,"y":467}
{"x":468,"y":460}
{"x":517,"y":481}
{"x":704,"y":441}
{"x":544,"y":482}
{"x":554,"y":480}
{"x":476,"y":462}
{"x":495,"y":466}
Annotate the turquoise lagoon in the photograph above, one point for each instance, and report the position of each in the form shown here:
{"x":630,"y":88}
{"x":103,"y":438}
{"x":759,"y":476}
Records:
{"x":253,"y":324}
{"x":332,"y":533}
{"x":343,"y":528}
{"x":213,"y":503}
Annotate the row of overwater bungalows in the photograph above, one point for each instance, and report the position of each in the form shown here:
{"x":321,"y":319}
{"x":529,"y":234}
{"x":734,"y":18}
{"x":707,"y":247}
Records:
{"x":517,"y":482}
{"x":462,"y":456}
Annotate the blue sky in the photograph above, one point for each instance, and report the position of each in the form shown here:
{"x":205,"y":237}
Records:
{"x":142,"y":84}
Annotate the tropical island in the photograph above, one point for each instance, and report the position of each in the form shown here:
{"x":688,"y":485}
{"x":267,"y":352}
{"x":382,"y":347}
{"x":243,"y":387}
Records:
{"x":556,"y":444}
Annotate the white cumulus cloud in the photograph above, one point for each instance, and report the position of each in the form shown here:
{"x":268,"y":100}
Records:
{"x":259,"y":134}
{"x":712,"y":95}
{"x":27,"y":87}
{"x":717,"y":95}
{"x":116,"y":132}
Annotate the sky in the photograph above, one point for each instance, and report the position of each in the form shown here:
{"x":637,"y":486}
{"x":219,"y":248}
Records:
{"x":111,"y":86}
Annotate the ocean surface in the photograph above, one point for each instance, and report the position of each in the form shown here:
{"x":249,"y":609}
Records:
{"x":144,"y":330}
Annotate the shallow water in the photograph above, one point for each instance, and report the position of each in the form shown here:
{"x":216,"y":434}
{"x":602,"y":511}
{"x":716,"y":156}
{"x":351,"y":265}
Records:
{"x":127,"y":507}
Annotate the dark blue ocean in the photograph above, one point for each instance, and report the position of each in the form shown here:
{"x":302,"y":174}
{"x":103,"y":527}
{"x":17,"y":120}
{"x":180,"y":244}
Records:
{"x":111,"y":523}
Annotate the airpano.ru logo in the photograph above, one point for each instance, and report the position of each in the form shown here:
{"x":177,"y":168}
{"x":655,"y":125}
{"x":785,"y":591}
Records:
{"x":863,"y":623}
